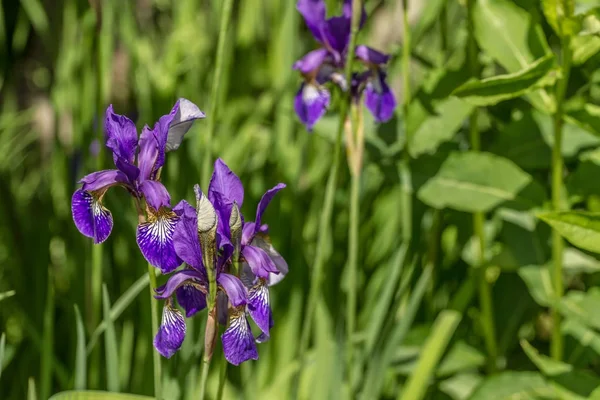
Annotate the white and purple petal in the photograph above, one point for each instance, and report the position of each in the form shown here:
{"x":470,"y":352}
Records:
{"x":379,"y":98}
{"x":262,"y":241}
{"x":259,"y":261}
{"x":311,"y":103}
{"x":155,"y":239}
{"x":191,"y":299}
{"x":238,"y":342}
{"x":259,"y":306}
{"x":236,"y":292}
{"x":91,"y":218}
{"x":185,"y":237}
{"x":171,"y":332}
{"x":184,"y":116}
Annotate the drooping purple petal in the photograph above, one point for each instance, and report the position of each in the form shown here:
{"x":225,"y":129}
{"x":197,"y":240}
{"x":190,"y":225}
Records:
{"x":248,"y":232}
{"x":102,"y":180}
{"x":347,"y":12}
{"x":225,"y":188}
{"x":121,"y":138}
{"x":191,"y":299}
{"x":311,"y":61}
{"x":236,"y":292}
{"x":171,"y":332}
{"x":314,"y":13}
{"x":259,"y":261}
{"x":380,"y":99}
{"x":91,"y":218}
{"x":310,"y":104}
{"x":148,"y":155}
{"x":259,"y":306}
{"x":185,"y":237}
{"x":263,"y":337}
{"x":176,"y":280}
{"x":155,"y":239}
{"x":337,"y":36}
{"x":238,"y":342}
{"x":264,"y":202}
{"x":262,"y":241}
{"x":371,"y":56}
{"x":156,"y":194}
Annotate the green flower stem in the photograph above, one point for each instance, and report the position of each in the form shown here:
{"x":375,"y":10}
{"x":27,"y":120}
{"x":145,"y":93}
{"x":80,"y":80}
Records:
{"x":405,"y":173}
{"x":484,"y":289}
{"x":222,"y":378}
{"x":154,"y":314}
{"x":215,"y":90}
{"x":314,"y":294}
{"x":203,"y":378}
{"x":557,"y":346}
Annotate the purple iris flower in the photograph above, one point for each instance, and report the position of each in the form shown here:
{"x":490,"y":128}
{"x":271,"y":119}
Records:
{"x":237,"y":244}
{"x":141,"y":179}
{"x":326,"y":64}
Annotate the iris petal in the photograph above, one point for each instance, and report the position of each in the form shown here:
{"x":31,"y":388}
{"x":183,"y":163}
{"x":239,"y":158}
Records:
{"x":91,"y":218}
{"x":171,"y":332}
{"x":310,"y":104}
{"x":185,"y":237}
{"x":155,"y":239}
{"x":379,"y":98}
{"x":264,"y":202}
{"x":236,"y":292}
{"x":184,"y":113}
{"x":238,"y":342}
{"x":191,"y":299}
{"x":259,"y":261}
{"x":314,"y":13}
{"x":259,"y":307}
{"x":156,"y":194}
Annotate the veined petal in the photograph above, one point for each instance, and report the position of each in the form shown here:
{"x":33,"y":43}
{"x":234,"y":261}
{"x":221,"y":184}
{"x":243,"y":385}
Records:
{"x":185,"y":114}
{"x":148,"y":155}
{"x":264,"y":202}
{"x":379,"y":98}
{"x":177,"y":279}
{"x":314,"y":13}
{"x":311,"y":61}
{"x":224,"y":190}
{"x":238,"y":342}
{"x":171,"y":332}
{"x":156,"y":194}
{"x":91,"y":218}
{"x":310,"y":104}
{"x":191,"y":298}
{"x":102,"y":180}
{"x":259,"y":261}
{"x":262,"y":241}
{"x":248,"y":232}
{"x":259,"y":305}
{"x":185,"y":237}
{"x":155,"y":239}
{"x":371,"y":56}
{"x":121,"y":135}
{"x":236,"y":292}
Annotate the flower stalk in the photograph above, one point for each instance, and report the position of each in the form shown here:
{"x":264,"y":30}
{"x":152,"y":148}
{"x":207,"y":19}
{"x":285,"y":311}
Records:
{"x":405,"y":173}
{"x":484,"y":289}
{"x":154,"y":319}
{"x":557,"y":345}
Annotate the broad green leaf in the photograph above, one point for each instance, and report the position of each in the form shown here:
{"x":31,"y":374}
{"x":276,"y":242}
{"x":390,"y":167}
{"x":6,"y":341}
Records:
{"x":583,"y":48}
{"x":441,"y":333}
{"x":539,"y":283}
{"x":6,"y":295}
{"x":582,"y":306}
{"x":582,"y":182}
{"x":460,"y":386}
{"x":575,"y":137}
{"x":96,"y":395}
{"x":587,"y":117}
{"x":473,"y":181}
{"x":460,"y":358}
{"x":557,"y":16}
{"x":511,"y":385}
{"x":580,"y":228}
{"x":545,"y":364}
{"x":587,"y":337}
{"x":80,"y":353}
{"x":577,"y":262}
{"x":120,"y":305}
{"x":493,"y":90}
{"x":110,"y":343}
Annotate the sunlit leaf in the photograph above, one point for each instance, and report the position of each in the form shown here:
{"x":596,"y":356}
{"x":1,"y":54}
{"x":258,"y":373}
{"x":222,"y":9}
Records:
{"x":545,"y":364}
{"x":580,"y":228}
{"x":96,"y":395}
{"x":582,"y":306}
{"x":539,"y":283}
{"x":514,"y":385}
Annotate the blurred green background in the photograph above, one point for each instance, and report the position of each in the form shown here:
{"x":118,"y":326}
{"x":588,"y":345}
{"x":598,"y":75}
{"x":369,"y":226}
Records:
{"x":62,"y":62}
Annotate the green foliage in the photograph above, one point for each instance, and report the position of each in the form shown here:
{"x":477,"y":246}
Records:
{"x":420,"y":326}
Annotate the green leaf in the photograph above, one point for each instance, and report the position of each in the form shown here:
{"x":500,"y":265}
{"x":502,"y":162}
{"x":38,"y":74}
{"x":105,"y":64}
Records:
{"x":96,"y":395}
{"x":575,"y":137}
{"x":441,"y":333}
{"x":473,"y":181}
{"x":2,"y":348}
{"x":6,"y":295}
{"x":545,"y":364}
{"x":580,"y":228}
{"x":31,"y":390}
{"x":587,"y":117}
{"x":583,"y":48}
{"x":460,"y":386}
{"x":587,"y":337}
{"x":493,"y":90}
{"x":556,"y":15}
{"x":538,"y":281}
{"x":582,"y":306}
{"x":577,"y":262}
{"x":460,"y":358}
{"x":80,"y":353}
{"x":510,"y":385}
{"x":110,"y":343}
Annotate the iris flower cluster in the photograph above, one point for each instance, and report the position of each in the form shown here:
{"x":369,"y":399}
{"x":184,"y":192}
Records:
{"x":229,"y":263}
{"x":327,"y":64}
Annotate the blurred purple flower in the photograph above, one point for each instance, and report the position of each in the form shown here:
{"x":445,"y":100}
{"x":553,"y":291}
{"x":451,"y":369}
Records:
{"x":237,"y":243}
{"x":141,"y":179}
{"x":327,"y":64}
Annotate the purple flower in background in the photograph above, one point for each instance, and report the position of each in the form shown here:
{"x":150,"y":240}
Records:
{"x":237,"y":244}
{"x":327,"y":64}
{"x":138,"y":162}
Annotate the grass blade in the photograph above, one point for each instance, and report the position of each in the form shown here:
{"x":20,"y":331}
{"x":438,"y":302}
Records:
{"x":6,"y":295}
{"x":120,"y":305}
{"x":31,"y":391}
{"x":80,"y":353}
{"x":2,"y":347}
{"x":441,"y":333}
{"x":112,"y":358}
